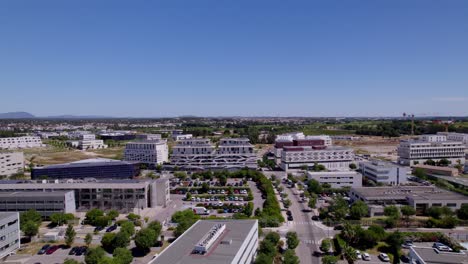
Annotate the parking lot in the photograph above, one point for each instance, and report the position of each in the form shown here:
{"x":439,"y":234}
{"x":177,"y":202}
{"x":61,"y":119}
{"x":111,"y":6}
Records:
{"x":58,"y":256}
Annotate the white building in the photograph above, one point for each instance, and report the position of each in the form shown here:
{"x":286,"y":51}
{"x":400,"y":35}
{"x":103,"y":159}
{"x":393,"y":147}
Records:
{"x":88,"y":141}
{"x":148,"y":137}
{"x":9,"y":233}
{"x":429,"y":255}
{"x":235,"y":146}
{"x":149,"y":152}
{"x":434,"y":147}
{"x":11,"y":163}
{"x":213,"y":242}
{"x":455,"y":137}
{"x":20,"y":142}
{"x":337,"y":179}
{"x":332,"y":157}
{"x":384,"y":172}
{"x":193,"y":146}
{"x":299,"y":139}
{"x":178,"y":137}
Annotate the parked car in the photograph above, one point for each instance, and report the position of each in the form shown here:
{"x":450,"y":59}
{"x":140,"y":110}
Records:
{"x":404,"y":259}
{"x":111,"y":228}
{"x":52,"y":249}
{"x":441,"y":247}
{"x":98,"y":228}
{"x":288,"y":212}
{"x":73,"y":250}
{"x":307,"y":210}
{"x":407,"y":244}
{"x":290,"y":218}
{"x":384,"y":257}
{"x":358,"y":254}
{"x":366,"y":256}
{"x":315,"y":218}
{"x":43,"y":249}
{"x":82,"y":250}
{"x":338,"y":227}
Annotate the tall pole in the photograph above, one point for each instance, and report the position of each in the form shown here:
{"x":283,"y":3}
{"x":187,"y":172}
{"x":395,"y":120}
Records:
{"x":412,"y":124}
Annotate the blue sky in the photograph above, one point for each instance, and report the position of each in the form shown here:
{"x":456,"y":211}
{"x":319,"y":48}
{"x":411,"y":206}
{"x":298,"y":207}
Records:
{"x":220,"y":57}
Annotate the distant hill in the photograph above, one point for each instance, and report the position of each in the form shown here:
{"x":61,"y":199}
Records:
{"x":16,"y":115}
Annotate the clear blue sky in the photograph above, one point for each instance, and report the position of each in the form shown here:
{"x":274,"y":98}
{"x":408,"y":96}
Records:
{"x":233,"y":57}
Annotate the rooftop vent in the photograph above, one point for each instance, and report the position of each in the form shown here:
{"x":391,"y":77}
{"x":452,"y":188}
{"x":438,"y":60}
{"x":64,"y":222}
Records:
{"x":208,"y":239}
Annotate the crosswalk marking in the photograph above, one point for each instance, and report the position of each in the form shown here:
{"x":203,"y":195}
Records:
{"x":308,"y":242}
{"x":301,"y":223}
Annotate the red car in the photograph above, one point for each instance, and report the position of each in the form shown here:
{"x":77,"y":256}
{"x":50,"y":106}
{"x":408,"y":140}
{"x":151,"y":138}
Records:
{"x":52,"y":249}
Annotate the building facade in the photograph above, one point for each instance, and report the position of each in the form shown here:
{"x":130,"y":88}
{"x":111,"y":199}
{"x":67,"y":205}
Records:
{"x":121,"y":195}
{"x":45,"y":203}
{"x":299,"y":139}
{"x":332,"y":157}
{"x":87,"y":141}
{"x":90,"y":168}
{"x":20,"y":142}
{"x":214,"y":242}
{"x":384,"y":172}
{"x":434,"y":147}
{"x":148,"y":137}
{"x":10,"y":234}
{"x":11,"y":163}
{"x":178,"y":137}
{"x":152,"y":152}
{"x":337,"y":179}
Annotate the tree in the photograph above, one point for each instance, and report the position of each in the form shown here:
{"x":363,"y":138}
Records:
{"x":128,"y":227}
{"x":205,"y":187}
{"x":145,"y":239}
{"x":289,"y":257}
{"x":325,"y":245}
{"x":102,"y":221}
{"x":30,"y":228}
{"x":358,"y":210}
{"x":444,"y":162}
{"x":112,"y":214}
{"x":92,"y":215}
{"x":407,"y":211}
{"x":107,"y":241}
{"x":70,"y":235}
{"x":30,"y":215}
{"x":263,"y":258}
{"x":430,"y":162}
{"x":350,"y":233}
{"x":392,"y":211}
{"x":222,"y":180}
{"x":394,"y":240}
{"x":60,"y":218}
{"x":273,"y":237}
{"x":122,"y":256}
{"x":338,"y":209}
{"x":94,"y":255}
{"x":462,"y":213}
{"x":329,"y":259}
{"x":448,"y":221}
{"x":156,"y":226}
{"x":133,"y":217}
{"x":349,"y":254}
{"x":248,"y":209}
{"x":352,"y":166}
{"x":313,"y":186}
{"x":121,"y":240}
{"x":292,"y":240}
{"x":287,"y":203}
{"x":71,"y":261}
{"x":88,"y":239}
{"x":312,"y":202}
{"x":267,"y":247}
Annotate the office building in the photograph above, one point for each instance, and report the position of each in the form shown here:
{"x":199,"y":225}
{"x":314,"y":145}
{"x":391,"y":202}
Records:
{"x":117,"y":136}
{"x":462,"y":137}
{"x":20,"y":142}
{"x":10,"y":234}
{"x":45,"y":203}
{"x":337,"y":179}
{"x":419,"y":197}
{"x":121,"y":195}
{"x":332,"y":157}
{"x":87,"y":141}
{"x":437,"y":170}
{"x":429,"y":255}
{"x":300,"y":140}
{"x":145,"y":137}
{"x":214,"y":242}
{"x":11,"y":163}
{"x":435,"y":147}
{"x":90,"y":168}
{"x":384,"y":172}
{"x":151,"y":152}
{"x":200,"y":154}
{"x":178,"y":137}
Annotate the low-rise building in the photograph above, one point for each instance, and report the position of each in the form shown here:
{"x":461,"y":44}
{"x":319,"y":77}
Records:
{"x":117,"y":135}
{"x":121,"y":195}
{"x":419,"y":197}
{"x":9,"y":233}
{"x":45,"y":203}
{"x":298,"y":139}
{"x":90,"y":168}
{"x":384,"y":172}
{"x":87,"y":141}
{"x":463,"y":137}
{"x":437,"y":170}
{"x":214,"y":242}
{"x":151,"y":152}
{"x":337,"y":179}
{"x":11,"y":163}
{"x":435,"y":147}
{"x":178,"y":137}
{"x":428,"y":255}
{"x":148,"y":137}
{"x":332,"y":157}
{"x":20,"y":142}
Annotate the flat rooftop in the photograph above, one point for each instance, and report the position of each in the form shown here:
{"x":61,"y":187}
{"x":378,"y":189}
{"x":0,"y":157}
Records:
{"x":4,"y":215}
{"x":180,"y":251}
{"x":430,"y":255}
{"x":417,"y":193}
{"x":86,"y":163}
{"x":73,"y":184}
{"x":33,"y":194}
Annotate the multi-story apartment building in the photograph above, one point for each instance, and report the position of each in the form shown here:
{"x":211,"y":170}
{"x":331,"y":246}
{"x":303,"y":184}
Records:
{"x":20,"y":142}
{"x":90,"y":168}
{"x":384,"y":172}
{"x":45,"y":203}
{"x":337,"y":179}
{"x":87,"y":141}
{"x":200,"y":154}
{"x":214,"y":242}
{"x":434,"y":147}
{"x":11,"y":163}
{"x":332,"y":157}
{"x":151,"y":152}
{"x":9,"y":233}
{"x":299,"y":139}
{"x":122,"y":195}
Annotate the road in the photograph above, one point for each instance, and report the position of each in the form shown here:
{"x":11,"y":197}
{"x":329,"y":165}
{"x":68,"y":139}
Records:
{"x":310,"y":234}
